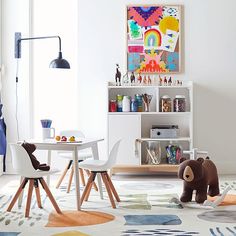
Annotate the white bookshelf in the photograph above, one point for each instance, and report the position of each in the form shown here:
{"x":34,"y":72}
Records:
{"x":132,"y":126}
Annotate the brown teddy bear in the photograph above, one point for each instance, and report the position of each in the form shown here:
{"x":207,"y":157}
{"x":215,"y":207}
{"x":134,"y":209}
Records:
{"x":198,"y":175}
{"x":30,"y":148}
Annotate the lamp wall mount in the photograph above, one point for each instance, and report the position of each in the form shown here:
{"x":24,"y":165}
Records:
{"x":59,"y":62}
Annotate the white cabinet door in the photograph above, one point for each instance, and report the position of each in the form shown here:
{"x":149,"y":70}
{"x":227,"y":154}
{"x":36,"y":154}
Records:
{"x":127,"y":128}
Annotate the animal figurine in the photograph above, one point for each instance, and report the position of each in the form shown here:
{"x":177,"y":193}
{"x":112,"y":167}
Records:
{"x":160,"y":80}
{"x":198,"y":175}
{"x":149,"y":80}
{"x":132,"y":78}
{"x":118,"y":75}
{"x":165,"y":81}
{"x":125,"y":79}
{"x":169,"y":81}
{"x":140,"y":79}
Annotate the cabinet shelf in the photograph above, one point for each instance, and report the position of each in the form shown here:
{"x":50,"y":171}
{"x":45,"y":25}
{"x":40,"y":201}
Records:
{"x":151,"y":113}
{"x":112,"y":85}
{"x":169,"y":168}
{"x":165,"y":139}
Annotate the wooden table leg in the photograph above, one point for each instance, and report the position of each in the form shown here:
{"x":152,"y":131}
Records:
{"x":96,"y":157}
{"x":76,"y":176}
{"x":49,"y":163}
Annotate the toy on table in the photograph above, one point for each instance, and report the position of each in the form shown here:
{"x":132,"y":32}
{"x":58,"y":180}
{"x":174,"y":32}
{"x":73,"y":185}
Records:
{"x":169,"y":81}
{"x":198,"y":175}
{"x":126,"y":79}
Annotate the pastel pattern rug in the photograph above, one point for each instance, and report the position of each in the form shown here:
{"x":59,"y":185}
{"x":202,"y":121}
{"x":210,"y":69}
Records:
{"x":145,"y":209}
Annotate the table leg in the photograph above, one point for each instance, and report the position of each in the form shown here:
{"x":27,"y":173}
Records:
{"x":49,"y":163}
{"x":76,"y":176}
{"x":96,"y":157}
{"x":21,"y":195}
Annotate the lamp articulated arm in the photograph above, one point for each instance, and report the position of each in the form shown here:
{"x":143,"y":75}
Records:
{"x":56,"y":63}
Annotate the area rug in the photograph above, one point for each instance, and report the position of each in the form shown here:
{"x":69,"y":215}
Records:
{"x":145,"y":209}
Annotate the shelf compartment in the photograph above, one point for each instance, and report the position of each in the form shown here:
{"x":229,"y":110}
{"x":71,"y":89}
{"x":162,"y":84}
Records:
{"x":130,"y":91}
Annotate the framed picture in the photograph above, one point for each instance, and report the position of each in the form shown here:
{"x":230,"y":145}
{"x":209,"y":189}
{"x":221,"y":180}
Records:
{"x":153,"y":38}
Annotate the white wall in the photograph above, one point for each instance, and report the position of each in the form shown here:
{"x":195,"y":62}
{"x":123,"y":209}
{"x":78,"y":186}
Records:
{"x":15,"y":18}
{"x":209,"y":53}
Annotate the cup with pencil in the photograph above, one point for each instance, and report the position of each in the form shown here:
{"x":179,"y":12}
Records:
{"x":47,"y":131}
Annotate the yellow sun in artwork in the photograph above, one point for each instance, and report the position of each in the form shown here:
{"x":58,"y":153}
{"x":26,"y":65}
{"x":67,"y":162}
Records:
{"x":170,"y":23}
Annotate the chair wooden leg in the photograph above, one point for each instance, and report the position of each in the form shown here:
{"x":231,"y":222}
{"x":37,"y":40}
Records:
{"x":64,"y":174}
{"x":28,"y":203}
{"x":37,"y":192}
{"x":90,"y":180}
{"x":70,"y":179}
{"x":90,"y":187}
{"x":112,"y":188}
{"x":48,"y":192}
{"x":108,"y":190}
{"x":94,"y":184}
{"x":18,"y":192}
{"x":82,"y":176}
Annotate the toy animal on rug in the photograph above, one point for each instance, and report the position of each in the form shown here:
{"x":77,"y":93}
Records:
{"x":200,"y":175}
{"x":30,"y":148}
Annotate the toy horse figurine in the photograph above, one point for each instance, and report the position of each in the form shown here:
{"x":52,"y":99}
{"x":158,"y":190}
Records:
{"x":132,"y":78}
{"x":118,"y":75}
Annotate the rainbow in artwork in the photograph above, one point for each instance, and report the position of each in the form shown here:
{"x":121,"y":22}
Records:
{"x":152,"y":38}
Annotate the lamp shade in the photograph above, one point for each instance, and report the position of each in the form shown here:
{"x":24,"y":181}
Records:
{"x":60,"y":63}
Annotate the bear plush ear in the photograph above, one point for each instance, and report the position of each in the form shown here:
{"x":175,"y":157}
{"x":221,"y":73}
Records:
{"x":207,"y":158}
{"x":200,"y":159}
{"x":182,"y":159}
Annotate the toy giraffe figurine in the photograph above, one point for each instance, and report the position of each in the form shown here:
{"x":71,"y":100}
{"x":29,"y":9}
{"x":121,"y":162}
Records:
{"x":118,"y":75}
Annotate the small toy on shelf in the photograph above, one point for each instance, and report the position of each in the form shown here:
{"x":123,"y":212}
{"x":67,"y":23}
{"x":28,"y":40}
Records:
{"x":132,"y":78}
{"x":140,"y":79}
{"x":179,"y":83}
{"x":145,"y":80}
{"x":160,"y":80}
{"x":165,"y":81}
{"x":149,"y":81}
{"x":169,"y":81}
{"x":198,"y":175}
{"x":125,"y":79}
{"x":118,"y":76}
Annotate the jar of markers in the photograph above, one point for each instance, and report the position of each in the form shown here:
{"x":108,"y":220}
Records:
{"x":179,"y":103}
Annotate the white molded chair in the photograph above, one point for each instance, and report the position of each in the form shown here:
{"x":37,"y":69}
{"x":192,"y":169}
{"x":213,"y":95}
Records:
{"x":101,"y":166}
{"x":82,"y":155}
{"x":23,"y":166}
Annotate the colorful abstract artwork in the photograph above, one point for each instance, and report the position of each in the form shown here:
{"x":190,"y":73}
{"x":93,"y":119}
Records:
{"x":153,"y":39}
